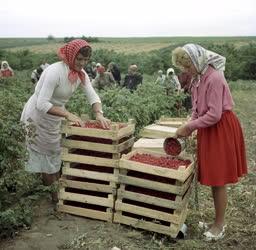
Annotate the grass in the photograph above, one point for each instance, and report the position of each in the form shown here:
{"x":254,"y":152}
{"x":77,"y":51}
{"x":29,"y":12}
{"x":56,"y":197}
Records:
{"x":122,"y":45}
{"x":22,"y":42}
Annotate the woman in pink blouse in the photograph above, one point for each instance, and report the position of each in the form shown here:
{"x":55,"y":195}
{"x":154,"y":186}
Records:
{"x":221,"y":149}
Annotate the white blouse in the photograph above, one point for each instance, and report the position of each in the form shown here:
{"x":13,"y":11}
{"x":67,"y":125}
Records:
{"x":53,"y":89}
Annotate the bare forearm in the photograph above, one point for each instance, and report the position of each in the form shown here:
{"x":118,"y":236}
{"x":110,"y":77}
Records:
{"x":97,"y":108}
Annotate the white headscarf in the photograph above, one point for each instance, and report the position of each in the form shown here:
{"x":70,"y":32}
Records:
{"x":202,"y":58}
{"x":2,"y":65}
{"x":169,"y":71}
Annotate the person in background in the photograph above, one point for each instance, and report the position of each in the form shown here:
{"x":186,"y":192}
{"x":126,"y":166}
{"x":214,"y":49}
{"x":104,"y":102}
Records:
{"x":35,"y":75}
{"x":171,"y":82}
{"x":6,"y":70}
{"x":103,"y":79}
{"x":114,"y":70}
{"x":98,"y":65}
{"x":44,"y":65}
{"x":45,"y":109}
{"x":185,"y":82}
{"x":221,"y":149}
{"x":133,"y":78}
{"x":160,"y":77}
{"x":94,"y":70}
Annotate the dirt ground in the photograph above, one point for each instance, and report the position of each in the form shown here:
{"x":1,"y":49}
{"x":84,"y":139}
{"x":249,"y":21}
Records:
{"x":56,"y":231}
{"x":53,"y":231}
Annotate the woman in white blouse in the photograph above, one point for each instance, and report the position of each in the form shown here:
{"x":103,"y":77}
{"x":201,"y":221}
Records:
{"x":46,"y":108}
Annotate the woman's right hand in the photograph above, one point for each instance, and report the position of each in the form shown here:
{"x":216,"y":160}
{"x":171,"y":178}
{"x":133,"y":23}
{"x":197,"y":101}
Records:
{"x":182,"y":131}
{"x":74,"y":119}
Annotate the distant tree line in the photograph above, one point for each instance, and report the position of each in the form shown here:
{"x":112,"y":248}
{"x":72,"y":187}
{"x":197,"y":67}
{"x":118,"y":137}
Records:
{"x":88,"y":39}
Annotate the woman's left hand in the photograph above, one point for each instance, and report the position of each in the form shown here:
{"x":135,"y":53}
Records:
{"x":103,"y":120}
{"x":183,"y":131}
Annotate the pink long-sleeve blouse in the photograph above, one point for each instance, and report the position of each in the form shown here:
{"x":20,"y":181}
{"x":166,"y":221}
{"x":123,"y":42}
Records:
{"x":210,"y":98}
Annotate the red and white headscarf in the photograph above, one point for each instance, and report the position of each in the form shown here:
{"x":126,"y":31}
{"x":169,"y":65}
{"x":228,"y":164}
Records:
{"x":68,"y":53}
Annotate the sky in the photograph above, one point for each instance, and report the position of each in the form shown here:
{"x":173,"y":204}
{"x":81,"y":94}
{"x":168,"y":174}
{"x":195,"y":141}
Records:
{"x":127,"y":18}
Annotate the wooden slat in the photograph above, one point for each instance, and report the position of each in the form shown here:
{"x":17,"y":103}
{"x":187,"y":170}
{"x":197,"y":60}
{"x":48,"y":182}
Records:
{"x":174,"y":124}
{"x":155,"y":145}
{"x":89,"y":174}
{"x":125,"y":145}
{"x":171,"y":230}
{"x":89,"y":213}
{"x":171,"y":121}
{"x":150,"y":184}
{"x":167,"y":118}
{"x":99,"y":133}
{"x":150,"y":213}
{"x":98,"y":161}
{"x":154,"y":170}
{"x":125,"y":131}
{"x":86,"y":185}
{"x":157,"y":154}
{"x":148,"y":199}
{"x":83,"y":198}
{"x":157,"y":131}
{"x":99,"y":147}
{"x":114,"y":134}
{"x":146,"y":225}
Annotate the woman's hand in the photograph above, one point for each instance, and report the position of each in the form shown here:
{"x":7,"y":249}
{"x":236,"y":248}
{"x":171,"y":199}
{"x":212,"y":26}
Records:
{"x":105,"y":123}
{"x":183,"y":131}
{"x":74,"y":119}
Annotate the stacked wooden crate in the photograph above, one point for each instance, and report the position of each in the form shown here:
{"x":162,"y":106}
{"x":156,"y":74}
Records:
{"x":155,"y":145}
{"x":155,"y":131}
{"x":153,"y":197}
{"x":153,"y":136}
{"x":91,"y":155}
{"x":171,"y":121}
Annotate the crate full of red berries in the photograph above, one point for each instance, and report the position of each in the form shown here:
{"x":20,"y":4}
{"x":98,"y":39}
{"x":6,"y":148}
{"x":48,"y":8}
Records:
{"x":91,"y":157}
{"x":154,"y":191}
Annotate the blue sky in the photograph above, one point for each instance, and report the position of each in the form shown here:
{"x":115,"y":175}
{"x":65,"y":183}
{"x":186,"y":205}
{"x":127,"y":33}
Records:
{"x":123,"y":18}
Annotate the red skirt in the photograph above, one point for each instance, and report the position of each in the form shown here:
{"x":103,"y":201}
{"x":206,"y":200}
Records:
{"x":221,"y":152}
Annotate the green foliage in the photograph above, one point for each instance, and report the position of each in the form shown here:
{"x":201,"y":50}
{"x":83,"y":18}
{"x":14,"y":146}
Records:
{"x":22,"y":42}
{"x":145,"y":105}
{"x":25,"y":59}
{"x":242,"y":85}
{"x":78,"y":104}
{"x":13,"y":218}
{"x":16,"y":185}
{"x":240,"y":63}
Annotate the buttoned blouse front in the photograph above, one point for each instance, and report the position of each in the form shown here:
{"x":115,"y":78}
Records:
{"x":210,"y":98}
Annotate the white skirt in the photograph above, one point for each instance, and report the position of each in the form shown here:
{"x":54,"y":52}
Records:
{"x":42,"y":163}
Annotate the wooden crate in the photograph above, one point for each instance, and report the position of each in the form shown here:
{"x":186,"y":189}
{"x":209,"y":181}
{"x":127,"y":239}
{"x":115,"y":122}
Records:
{"x":157,"y":131}
{"x":151,"y":197}
{"x":155,"y":145}
{"x":171,"y":121}
{"x":90,"y":173}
